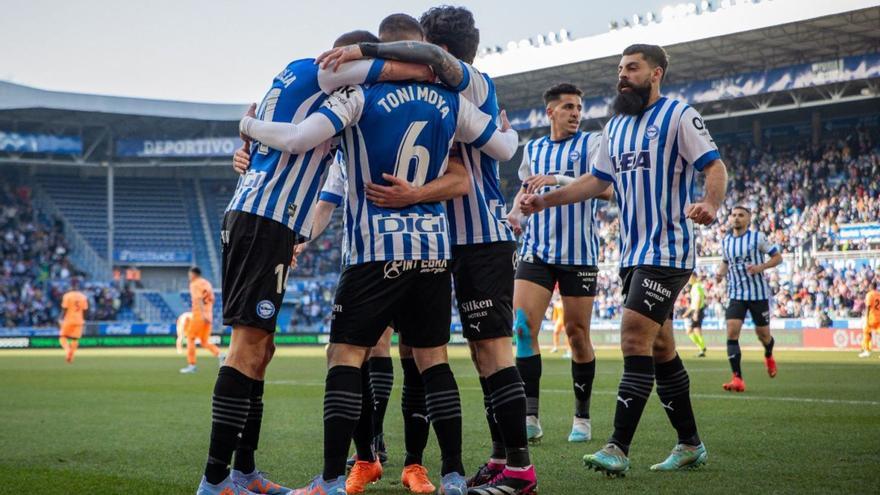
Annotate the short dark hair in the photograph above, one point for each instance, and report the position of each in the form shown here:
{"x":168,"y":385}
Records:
{"x":555,"y":92}
{"x":743,"y":208}
{"x":654,"y":54}
{"x":453,"y":27}
{"x":354,"y":37}
{"x":397,"y":26}
{"x":196,"y":270}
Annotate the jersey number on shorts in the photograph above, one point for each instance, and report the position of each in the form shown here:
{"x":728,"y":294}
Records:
{"x":408,"y":151}
{"x":281,"y":275}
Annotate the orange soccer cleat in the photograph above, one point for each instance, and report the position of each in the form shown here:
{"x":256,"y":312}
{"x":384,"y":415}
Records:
{"x":736,"y":384}
{"x":771,"y":366}
{"x":415,"y":478}
{"x":361,"y":474}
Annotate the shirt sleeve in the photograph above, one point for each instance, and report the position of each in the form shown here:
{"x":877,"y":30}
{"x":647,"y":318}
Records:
{"x":352,"y":73}
{"x":65,"y":301}
{"x":765,"y":246}
{"x":525,"y":167}
{"x":695,"y":144}
{"x":477,"y":128}
{"x":474,"y":85}
{"x":600,"y":163}
{"x":334,"y":186}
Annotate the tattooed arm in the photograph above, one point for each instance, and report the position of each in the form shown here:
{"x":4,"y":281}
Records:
{"x":445,"y":65}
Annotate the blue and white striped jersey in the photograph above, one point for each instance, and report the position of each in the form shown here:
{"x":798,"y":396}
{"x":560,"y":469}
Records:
{"x":739,"y":252}
{"x":404,"y":130}
{"x":334,"y":189}
{"x":651,"y":160}
{"x":480,"y":215}
{"x":567,"y":234}
{"x":284,"y":186}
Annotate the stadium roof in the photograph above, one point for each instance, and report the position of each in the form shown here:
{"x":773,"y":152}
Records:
{"x":743,"y":38}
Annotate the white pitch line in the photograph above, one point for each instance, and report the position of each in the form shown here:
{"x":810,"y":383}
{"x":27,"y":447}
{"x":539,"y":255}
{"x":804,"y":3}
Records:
{"x":731,"y":396}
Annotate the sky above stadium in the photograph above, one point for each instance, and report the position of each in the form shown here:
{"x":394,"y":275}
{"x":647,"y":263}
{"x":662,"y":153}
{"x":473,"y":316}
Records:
{"x":228,"y":50}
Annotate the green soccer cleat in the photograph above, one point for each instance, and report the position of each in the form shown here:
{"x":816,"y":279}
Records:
{"x":683,"y":457}
{"x":610,"y":460}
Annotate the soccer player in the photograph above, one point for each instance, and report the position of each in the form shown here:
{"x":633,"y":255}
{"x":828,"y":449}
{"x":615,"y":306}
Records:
{"x":695,"y":312}
{"x":202,"y":316}
{"x":74,"y":305}
{"x":650,"y":152}
{"x":484,"y":247}
{"x":744,"y":251}
{"x":560,"y":246}
{"x":872,"y":318}
{"x":270,"y":212}
{"x":397,"y":258}
{"x":557,"y":316}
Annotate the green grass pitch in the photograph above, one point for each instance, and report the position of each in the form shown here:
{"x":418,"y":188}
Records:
{"x":125,"y":421}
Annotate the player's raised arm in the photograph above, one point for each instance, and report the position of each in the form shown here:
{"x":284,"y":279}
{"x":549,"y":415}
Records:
{"x":445,"y":65}
{"x":341,"y":109}
{"x":478,"y":129}
{"x":370,"y":71}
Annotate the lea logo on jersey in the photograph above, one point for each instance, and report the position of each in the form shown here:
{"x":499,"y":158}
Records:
{"x":409,"y":224}
{"x":632,"y":160}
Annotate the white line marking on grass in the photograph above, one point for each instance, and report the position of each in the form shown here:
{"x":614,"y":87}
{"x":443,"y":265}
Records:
{"x":806,"y":400}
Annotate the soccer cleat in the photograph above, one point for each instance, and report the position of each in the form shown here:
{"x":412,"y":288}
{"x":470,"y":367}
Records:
{"x":581,"y":430}
{"x":567,"y":354}
{"x":865,"y":354}
{"x":379,"y":448}
{"x":736,"y":384}
{"x":771,"y":366}
{"x":415,"y":478}
{"x":225,"y":487}
{"x":189,"y":369}
{"x":533,"y":429}
{"x":361,"y":474}
{"x":610,"y":460}
{"x":453,"y":484}
{"x":258,"y":483}
{"x":486,"y":473}
{"x":702,"y":353}
{"x":320,"y":487}
{"x":510,"y":482}
{"x":684,"y":457}
{"x":221,"y":358}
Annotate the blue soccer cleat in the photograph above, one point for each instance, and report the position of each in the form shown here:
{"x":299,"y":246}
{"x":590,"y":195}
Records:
{"x":453,"y":484}
{"x":319,"y":486}
{"x":610,"y":460}
{"x":258,"y":483}
{"x":684,"y":457}
{"x":225,"y":487}
{"x":581,"y":430}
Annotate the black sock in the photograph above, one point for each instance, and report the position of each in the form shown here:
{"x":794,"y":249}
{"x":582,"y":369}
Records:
{"x":632,"y":395}
{"x":342,"y":409}
{"x":509,"y":408}
{"x":229,"y":413}
{"x":363,"y":432}
{"x":498,"y":451}
{"x":734,"y":355}
{"x":250,"y":436}
{"x":382,"y":380}
{"x":530,"y":371}
{"x":674,"y":391}
{"x":444,"y":409}
{"x":768,"y":348}
{"x":582,"y":375}
{"x":416,"y":425}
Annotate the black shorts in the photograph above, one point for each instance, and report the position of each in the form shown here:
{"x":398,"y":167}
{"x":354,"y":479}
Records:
{"x":760,"y":311}
{"x":573,"y":280}
{"x":651,"y":290}
{"x":415,"y":295}
{"x":483,"y":275}
{"x":697,"y":318}
{"x":256,"y":260}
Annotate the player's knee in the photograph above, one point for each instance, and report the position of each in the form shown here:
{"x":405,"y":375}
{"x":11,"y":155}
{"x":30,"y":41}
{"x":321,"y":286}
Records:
{"x":525,"y":342}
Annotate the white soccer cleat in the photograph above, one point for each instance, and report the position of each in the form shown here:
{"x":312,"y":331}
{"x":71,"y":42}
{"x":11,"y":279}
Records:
{"x":189,"y":369}
{"x":222,"y":358}
{"x":581,"y":430}
{"x":865,"y":354}
{"x":533,"y":429}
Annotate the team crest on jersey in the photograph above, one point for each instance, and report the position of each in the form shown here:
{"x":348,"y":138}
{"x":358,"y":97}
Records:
{"x":265,"y":309}
{"x":652,"y":131}
{"x":574,"y":156}
{"x":291,"y":209}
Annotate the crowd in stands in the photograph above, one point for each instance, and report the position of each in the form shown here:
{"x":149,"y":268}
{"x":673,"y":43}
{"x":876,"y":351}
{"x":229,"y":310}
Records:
{"x":36,"y":269}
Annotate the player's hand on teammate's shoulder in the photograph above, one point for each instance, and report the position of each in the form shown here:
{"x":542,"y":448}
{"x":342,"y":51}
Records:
{"x":241,"y":160}
{"x":335,"y":57}
{"x":702,"y":213}
{"x":531,"y":203}
{"x":534,"y":183}
{"x":399,"y":194}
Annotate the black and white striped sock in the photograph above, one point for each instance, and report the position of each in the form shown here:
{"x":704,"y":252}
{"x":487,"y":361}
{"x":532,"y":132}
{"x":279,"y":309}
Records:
{"x":342,"y":409}
{"x":363,"y":432}
{"x":632,"y":395}
{"x":229,"y":413}
{"x":250,"y":436}
{"x":444,"y":410}
{"x":382,"y":380}
{"x":416,"y":425}
{"x":509,"y":408}
{"x":674,"y":391}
